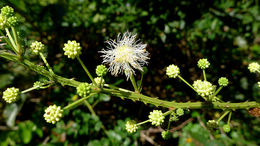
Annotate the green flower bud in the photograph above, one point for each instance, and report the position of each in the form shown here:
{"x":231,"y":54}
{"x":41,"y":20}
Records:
{"x":131,"y":127}
{"x":254,"y":67}
{"x":226,"y":128}
{"x":156,"y":117}
{"x":12,"y":21}
{"x":83,"y":89}
{"x":180,"y":112}
{"x":37,"y":47}
{"x":98,"y":81}
{"x":212,"y":124}
{"x":258,"y":84}
{"x":72,"y":49}
{"x":172,"y":71}
{"x":101,"y":70}
{"x":223,"y":81}
{"x":7,"y":11}
{"x":11,"y":94}
{"x":38,"y":84}
{"x":53,"y":114}
{"x":203,"y":88}
{"x":166,"y":135}
{"x":203,"y":64}
{"x":3,"y":22}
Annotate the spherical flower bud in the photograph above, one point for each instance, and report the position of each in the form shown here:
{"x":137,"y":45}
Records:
{"x":12,"y":21}
{"x":226,"y":128}
{"x":203,"y":64}
{"x":101,"y":70}
{"x":258,"y":84}
{"x":7,"y":11}
{"x":180,"y":112}
{"x":203,"y":88}
{"x":212,"y":124}
{"x":37,"y":47}
{"x":98,"y":81}
{"x":172,"y":71}
{"x":11,"y":94}
{"x":53,"y":114}
{"x":166,"y":135}
{"x":156,"y":117}
{"x":83,"y":89}
{"x":131,"y":127}
{"x":3,"y":22}
{"x":223,"y":81}
{"x":254,"y":67}
{"x":72,"y":49}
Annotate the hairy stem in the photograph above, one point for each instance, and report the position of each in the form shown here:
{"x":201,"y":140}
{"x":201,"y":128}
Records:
{"x":46,"y":63}
{"x":123,"y":93}
{"x":77,"y":102}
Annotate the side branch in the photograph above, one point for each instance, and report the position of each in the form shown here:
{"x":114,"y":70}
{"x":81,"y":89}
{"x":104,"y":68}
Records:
{"x":123,"y":93}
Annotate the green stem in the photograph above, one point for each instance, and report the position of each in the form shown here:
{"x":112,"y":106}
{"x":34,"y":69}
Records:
{"x":123,"y":93}
{"x":7,"y":41}
{"x":169,"y":124}
{"x":141,"y":81}
{"x":77,"y":102}
{"x":226,"y":112}
{"x":132,"y":78}
{"x":229,"y":117}
{"x":141,"y":123}
{"x":94,"y":114}
{"x":12,"y":41}
{"x":16,"y":40}
{"x":90,"y":108}
{"x":217,"y":91}
{"x":186,"y":83}
{"x":86,"y":70}
{"x":204,"y":75}
{"x":28,"y":90}
{"x":46,"y":63}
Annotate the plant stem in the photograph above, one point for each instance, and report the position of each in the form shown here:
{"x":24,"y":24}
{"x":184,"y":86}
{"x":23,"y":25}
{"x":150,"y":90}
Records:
{"x":186,"y":83}
{"x":86,"y":70}
{"x":141,"y":81}
{"x":132,"y":78}
{"x":217,"y":91}
{"x":77,"y":102}
{"x":16,"y":40}
{"x":28,"y":90}
{"x":12,"y":41}
{"x":226,"y":112}
{"x":7,"y":41}
{"x":123,"y":93}
{"x":46,"y":63}
{"x":204,"y":75}
{"x":229,"y":117}
{"x":94,"y":114}
{"x":90,"y":108}
{"x":141,"y":123}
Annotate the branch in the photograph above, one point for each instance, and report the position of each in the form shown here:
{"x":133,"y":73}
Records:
{"x":123,"y":93}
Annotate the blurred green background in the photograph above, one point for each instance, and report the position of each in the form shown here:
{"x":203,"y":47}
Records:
{"x":176,"y":31}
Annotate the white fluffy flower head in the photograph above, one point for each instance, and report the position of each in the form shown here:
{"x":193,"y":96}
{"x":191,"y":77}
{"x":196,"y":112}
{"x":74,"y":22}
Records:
{"x":125,"y":54}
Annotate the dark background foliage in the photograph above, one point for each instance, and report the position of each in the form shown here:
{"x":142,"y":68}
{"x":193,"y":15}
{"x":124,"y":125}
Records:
{"x":179,"y":32}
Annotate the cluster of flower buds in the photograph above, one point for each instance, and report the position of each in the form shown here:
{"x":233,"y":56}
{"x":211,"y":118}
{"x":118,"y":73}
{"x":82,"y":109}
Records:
{"x":131,"y":126}
{"x":203,"y":64}
{"x":37,"y":47}
{"x":53,"y":114}
{"x":11,"y":94}
{"x":83,"y":89}
{"x":204,"y":88}
{"x":156,"y":117}
{"x":254,"y":68}
{"x":72,"y":49}
{"x":7,"y":18}
{"x":172,"y":71}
